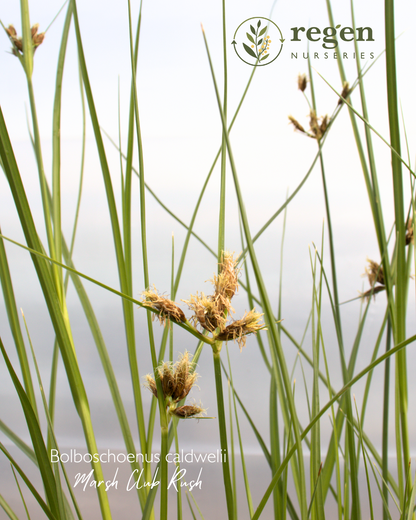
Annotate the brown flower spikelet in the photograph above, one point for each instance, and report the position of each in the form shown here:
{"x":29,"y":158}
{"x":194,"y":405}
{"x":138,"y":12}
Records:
{"x":239,"y":329}
{"x":37,"y":39}
{"x":177,"y":379}
{"x":302,"y":82}
{"x":167,"y":379}
{"x":374,"y":272}
{"x":226,"y":284}
{"x":151,"y":385}
{"x":409,"y":232}
{"x":296,"y":124}
{"x":183,"y":378}
{"x":188,"y":410}
{"x":345,"y":92}
{"x":168,"y":309}
{"x":207,"y":312}
{"x":373,"y":291}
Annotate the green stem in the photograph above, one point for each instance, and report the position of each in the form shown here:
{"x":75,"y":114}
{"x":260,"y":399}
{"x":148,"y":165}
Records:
{"x":223,"y":430}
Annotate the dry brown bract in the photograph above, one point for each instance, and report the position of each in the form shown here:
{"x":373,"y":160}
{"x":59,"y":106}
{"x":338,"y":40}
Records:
{"x":167,"y":309}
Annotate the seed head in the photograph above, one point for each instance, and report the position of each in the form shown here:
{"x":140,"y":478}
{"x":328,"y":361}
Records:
{"x":239,"y":329}
{"x":177,"y":379}
{"x":373,"y":291}
{"x":345,"y":92}
{"x":409,"y":232}
{"x":296,"y":124}
{"x":188,"y":410}
{"x":17,"y":48}
{"x":150,"y":384}
{"x":184,"y":377}
{"x":168,"y":310}
{"x":208,"y":312}
{"x":302,"y":82}
{"x":226,"y":284}
{"x":374,"y":272}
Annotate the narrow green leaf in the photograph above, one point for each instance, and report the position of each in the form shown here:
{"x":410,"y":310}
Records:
{"x":36,"y":436}
{"x":250,"y":37}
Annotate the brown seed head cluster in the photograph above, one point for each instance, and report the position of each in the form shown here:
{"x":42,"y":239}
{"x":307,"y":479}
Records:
{"x":210,"y":312}
{"x":317,"y":126}
{"x":168,"y":310}
{"x":37,"y":38}
{"x":177,"y":381}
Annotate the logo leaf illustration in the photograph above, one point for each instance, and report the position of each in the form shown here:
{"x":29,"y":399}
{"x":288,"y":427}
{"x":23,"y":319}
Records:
{"x":252,"y":29}
{"x":258,"y":24}
{"x":250,"y":37}
{"x":264,"y":57}
{"x":249,"y":50}
{"x":262,"y":31}
{"x":260,"y":41}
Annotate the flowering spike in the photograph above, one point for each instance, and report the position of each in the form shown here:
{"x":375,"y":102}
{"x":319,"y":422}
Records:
{"x":168,"y":309}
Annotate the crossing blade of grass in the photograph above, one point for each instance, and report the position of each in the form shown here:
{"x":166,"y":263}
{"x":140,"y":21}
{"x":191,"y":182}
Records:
{"x":323,"y":410}
{"x":36,"y":437}
{"x":11,"y":308}
{"x":127,"y":307}
{"x":20,"y":491}
{"x":316,"y":461}
{"x":18,"y":442}
{"x":56,"y":146}
{"x":269,"y":318}
{"x":367,"y":477}
{"x":7,"y":509}
{"x":314,"y":491}
{"x":52,"y":301}
{"x":256,"y":432}
{"x":29,"y":484}
{"x":233,"y":406}
{"x":411,"y":501}
{"x":232,"y":449}
{"x":64,"y":513}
